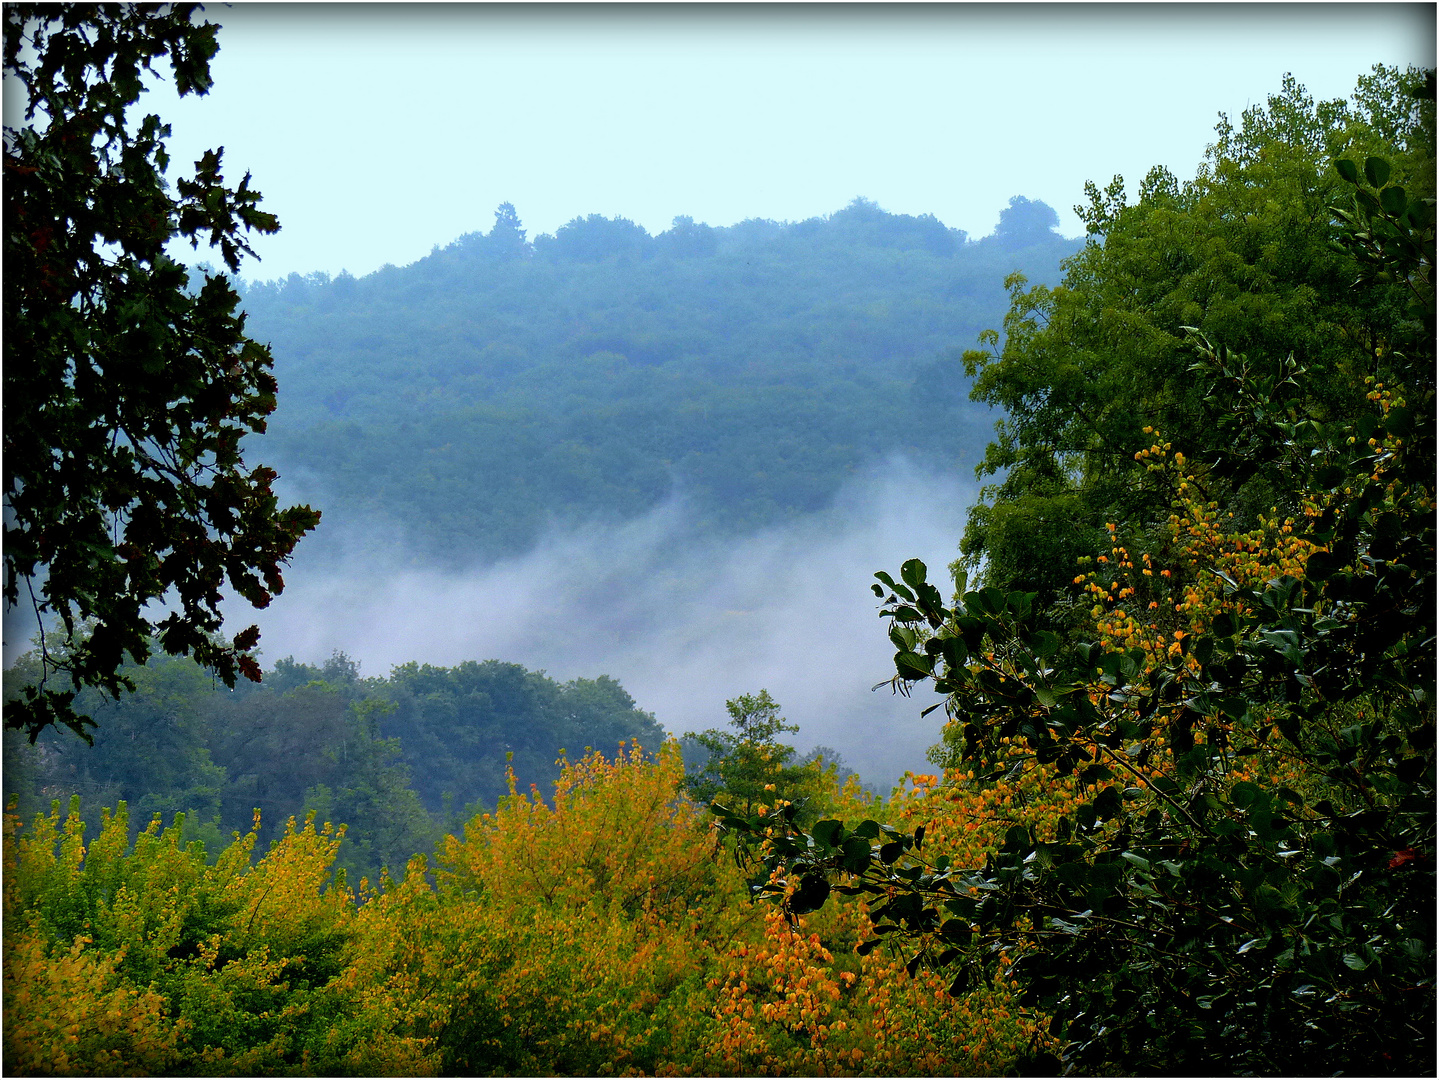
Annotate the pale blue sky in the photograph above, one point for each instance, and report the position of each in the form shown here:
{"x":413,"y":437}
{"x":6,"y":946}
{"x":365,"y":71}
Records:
{"x":377,"y":131}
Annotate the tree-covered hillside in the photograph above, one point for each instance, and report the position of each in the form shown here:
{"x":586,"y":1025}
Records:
{"x":501,"y":385}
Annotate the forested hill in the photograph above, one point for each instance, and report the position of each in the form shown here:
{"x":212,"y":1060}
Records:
{"x":501,"y":385}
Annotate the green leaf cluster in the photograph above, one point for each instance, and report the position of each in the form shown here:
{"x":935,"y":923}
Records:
{"x":128,"y":393}
{"x":749,"y":767}
{"x":1247,"y":254}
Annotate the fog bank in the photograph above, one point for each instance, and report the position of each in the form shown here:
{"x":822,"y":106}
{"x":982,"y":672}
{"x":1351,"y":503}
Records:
{"x":683,"y":623}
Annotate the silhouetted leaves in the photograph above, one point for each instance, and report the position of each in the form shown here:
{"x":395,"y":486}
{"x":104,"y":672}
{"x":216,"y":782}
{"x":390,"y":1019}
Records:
{"x":128,"y":388}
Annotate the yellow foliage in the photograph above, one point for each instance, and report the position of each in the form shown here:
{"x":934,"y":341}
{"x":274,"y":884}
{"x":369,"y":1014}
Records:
{"x":220,"y":967}
{"x":600,"y":933}
{"x":1156,"y":604}
{"x":569,"y":936}
{"x":69,"y":1013}
{"x":618,"y":835}
{"x":1187,"y":593}
{"x":790,"y":1005}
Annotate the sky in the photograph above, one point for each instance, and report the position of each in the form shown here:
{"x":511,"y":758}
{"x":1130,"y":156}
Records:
{"x":377,"y":131}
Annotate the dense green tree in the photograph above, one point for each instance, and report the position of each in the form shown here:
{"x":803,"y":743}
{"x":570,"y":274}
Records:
{"x":150,"y":748}
{"x":596,"y":237}
{"x":1245,"y":253}
{"x":1243,"y":878}
{"x":181,"y":742}
{"x":686,"y":239}
{"x":127,"y":392}
{"x":750,"y":766}
{"x":1026,"y":222}
{"x":275,"y":746}
{"x":863,"y":222}
{"x":506,"y":239}
{"x":464,"y":728}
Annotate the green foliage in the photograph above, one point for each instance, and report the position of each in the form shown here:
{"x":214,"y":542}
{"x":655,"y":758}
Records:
{"x":463,"y":728}
{"x":151,"y":749}
{"x":1245,"y":254}
{"x":750,"y":767}
{"x":127,"y":391}
{"x":476,"y":399}
{"x":1247,"y":884}
{"x":1024,"y":223}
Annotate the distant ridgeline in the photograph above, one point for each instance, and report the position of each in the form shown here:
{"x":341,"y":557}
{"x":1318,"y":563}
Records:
{"x":499,"y":386}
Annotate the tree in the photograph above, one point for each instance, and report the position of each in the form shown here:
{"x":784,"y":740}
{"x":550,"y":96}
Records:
{"x":596,"y":237}
{"x":1245,"y":253}
{"x":152,"y":749}
{"x":506,"y":240}
{"x":1025,"y":222}
{"x":128,"y":391}
{"x":750,"y":766}
{"x":685,"y":239}
{"x":457,"y":726}
{"x":1242,"y":877}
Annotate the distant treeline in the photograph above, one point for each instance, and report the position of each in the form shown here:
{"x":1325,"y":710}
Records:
{"x":500,"y":386}
{"x":400,"y":760}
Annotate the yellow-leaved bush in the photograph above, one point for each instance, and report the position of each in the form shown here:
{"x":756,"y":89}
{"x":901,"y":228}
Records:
{"x":565,"y":937}
{"x":143,"y":958}
{"x":602,"y":931}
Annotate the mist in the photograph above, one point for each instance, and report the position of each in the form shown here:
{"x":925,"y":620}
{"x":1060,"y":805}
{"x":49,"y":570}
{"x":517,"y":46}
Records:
{"x":684,"y":622}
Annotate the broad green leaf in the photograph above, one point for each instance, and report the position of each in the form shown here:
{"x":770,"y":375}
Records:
{"x":828,"y":832}
{"x":868,"y":829}
{"x":1244,"y":794}
{"x":1137,"y":860}
{"x":913,"y":666}
{"x":857,"y":853}
{"x":1321,"y":565}
{"x":913,"y":571}
{"x":813,"y":891}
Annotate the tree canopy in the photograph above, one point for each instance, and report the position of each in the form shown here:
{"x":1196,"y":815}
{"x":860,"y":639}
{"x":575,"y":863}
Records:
{"x":749,"y":765}
{"x":1219,"y":778}
{"x":127,"y":391}
{"x":1245,"y":253}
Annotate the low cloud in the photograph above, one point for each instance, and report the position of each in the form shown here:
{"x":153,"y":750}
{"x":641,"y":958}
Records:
{"x":683,"y":622}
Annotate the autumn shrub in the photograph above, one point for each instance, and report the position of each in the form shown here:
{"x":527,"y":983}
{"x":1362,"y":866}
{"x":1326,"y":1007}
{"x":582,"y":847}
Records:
{"x":221,"y":969}
{"x":602,"y":931}
{"x":68,"y":1012}
{"x":566,"y":936}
